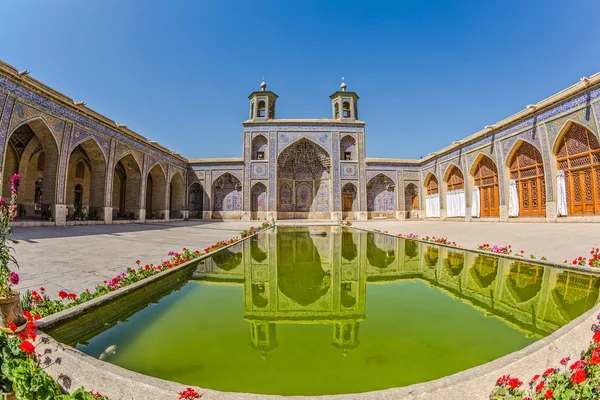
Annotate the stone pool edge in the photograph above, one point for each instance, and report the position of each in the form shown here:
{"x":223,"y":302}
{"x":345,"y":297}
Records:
{"x":73,"y":369}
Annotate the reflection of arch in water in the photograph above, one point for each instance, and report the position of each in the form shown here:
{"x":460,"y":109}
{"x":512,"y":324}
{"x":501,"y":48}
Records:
{"x":524,"y":281}
{"x":227,"y":260}
{"x":377,"y":257}
{"x":454,"y":262}
{"x":348,"y":295}
{"x":260,"y":297}
{"x":575,"y":293}
{"x":484,"y":270}
{"x":257,"y":253}
{"x":300,"y":274}
{"x":431,"y":256}
{"x":349,"y":251}
{"x":411,"y":249}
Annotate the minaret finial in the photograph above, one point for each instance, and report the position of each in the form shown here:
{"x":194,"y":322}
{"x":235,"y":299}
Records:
{"x":343,"y":85}
{"x":263,"y":85}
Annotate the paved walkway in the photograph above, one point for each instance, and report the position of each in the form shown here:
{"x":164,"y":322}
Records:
{"x":78,"y":257}
{"x":74,"y":258}
{"x":555,"y":241}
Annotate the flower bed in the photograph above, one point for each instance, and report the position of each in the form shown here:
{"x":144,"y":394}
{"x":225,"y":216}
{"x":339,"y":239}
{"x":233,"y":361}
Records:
{"x":580,"y":380}
{"x":22,"y":368}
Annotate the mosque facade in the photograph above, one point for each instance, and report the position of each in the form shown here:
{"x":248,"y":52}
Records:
{"x":77,"y":166}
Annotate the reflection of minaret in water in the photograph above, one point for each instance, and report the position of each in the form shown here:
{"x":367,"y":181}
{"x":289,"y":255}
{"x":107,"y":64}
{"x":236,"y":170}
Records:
{"x":263,"y":336}
{"x":345,"y":335}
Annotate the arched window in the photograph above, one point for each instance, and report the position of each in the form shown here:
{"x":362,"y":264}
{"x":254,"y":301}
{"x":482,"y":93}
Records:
{"x":348,"y":148}
{"x":349,"y":197}
{"x":78,"y":197}
{"x":347,"y":112}
{"x":80,"y":170}
{"x":455,"y":180}
{"x":527,"y":169}
{"x":578,"y":155}
{"x":411,"y":198}
{"x":271,"y":110}
{"x":261,"y":109}
{"x":486,"y":178}
{"x":432,"y":186}
{"x":41,"y":161}
{"x":336,"y":108}
{"x":260,"y":146}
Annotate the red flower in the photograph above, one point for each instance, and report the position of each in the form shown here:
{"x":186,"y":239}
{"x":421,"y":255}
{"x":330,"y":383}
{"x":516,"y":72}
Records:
{"x":514,"y":383}
{"x":535,"y":378}
{"x":596,"y":337}
{"x":37,"y":317}
{"x":548,"y":371}
{"x":27,"y":315}
{"x":595,"y":360}
{"x":578,"y":377}
{"x":539,"y":387}
{"x":189,"y":394}
{"x":27,"y":347}
{"x":548,"y":394}
{"x":565,"y":360}
{"x":503,"y":380}
{"x":42,"y":290}
{"x":137,"y":262}
{"x":62,"y":294}
{"x":577,"y":365}
{"x":12,"y":327}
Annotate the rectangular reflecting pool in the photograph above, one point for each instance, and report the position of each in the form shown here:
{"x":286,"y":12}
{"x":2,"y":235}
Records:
{"x":326,"y":310}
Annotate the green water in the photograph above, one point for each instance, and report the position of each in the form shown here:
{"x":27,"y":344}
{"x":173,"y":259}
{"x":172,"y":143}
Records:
{"x":320,"y":311}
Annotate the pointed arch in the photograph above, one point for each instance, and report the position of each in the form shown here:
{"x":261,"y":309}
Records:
{"x":411,"y":199}
{"x":227,"y":193}
{"x":259,"y":197}
{"x":156,"y":206}
{"x":578,"y":154}
{"x":454,"y":178}
{"x":455,"y":193}
{"x":260,"y":147}
{"x":32,"y":151}
{"x":381,"y":194}
{"x":300,"y":139}
{"x":195,"y":200}
{"x":86,"y":167}
{"x":349,"y":196}
{"x":485,"y":177}
{"x":432,"y":185}
{"x":526,"y":167}
{"x":126,"y":187}
{"x":348,"y":148}
{"x":176,"y":196}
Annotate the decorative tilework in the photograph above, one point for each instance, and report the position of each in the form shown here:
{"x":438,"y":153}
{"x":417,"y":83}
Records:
{"x":323,"y":139}
{"x":413,"y":175}
{"x":272,"y":173}
{"x":247,"y":156}
{"x":322,"y":197}
{"x":238,"y":173}
{"x":4,"y":122}
{"x":527,"y":136}
{"x":543,"y":133}
{"x":24,"y":113}
{"x":583,"y":117}
{"x":500,"y":167}
{"x":349,"y":170}
{"x":80,"y":135}
{"x":199,"y":174}
{"x":304,"y":128}
{"x":596,"y":109}
{"x":337,"y":202}
{"x":53,"y":107}
{"x":260,"y":170}
{"x":110,"y":173}
{"x":123,"y":149}
{"x":389,"y":174}
{"x":61,"y":177}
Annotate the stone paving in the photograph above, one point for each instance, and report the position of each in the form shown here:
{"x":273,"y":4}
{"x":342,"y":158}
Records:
{"x":74,"y":258}
{"x":555,"y":241}
{"x":78,"y":257}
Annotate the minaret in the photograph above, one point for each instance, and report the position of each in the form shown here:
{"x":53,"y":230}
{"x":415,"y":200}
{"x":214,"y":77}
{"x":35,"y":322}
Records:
{"x":262,"y":104}
{"x":344,"y":104}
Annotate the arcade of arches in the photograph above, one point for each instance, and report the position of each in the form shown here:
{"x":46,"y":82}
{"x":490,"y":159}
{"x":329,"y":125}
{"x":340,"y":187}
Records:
{"x":82,"y":166}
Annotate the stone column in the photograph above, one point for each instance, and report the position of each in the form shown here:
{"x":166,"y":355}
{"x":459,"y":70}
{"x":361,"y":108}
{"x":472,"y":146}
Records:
{"x":59,"y":209}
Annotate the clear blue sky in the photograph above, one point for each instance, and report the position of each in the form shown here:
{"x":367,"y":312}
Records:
{"x":427,"y":72}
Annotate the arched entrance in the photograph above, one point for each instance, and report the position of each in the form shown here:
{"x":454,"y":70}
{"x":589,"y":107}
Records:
{"x":32,"y":152}
{"x":127,"y":181}
{"x":527,"y":169}
{"x":578,"y":155}
{"x":259,"y":201}
{"x":411,"y":201}
{"x":485,"y":175}
{"x":195,"y":200}
{"x":304,"y":181}
{"x":155,"y":193}
{"x":381,"y":197}
{"x":349,"y":200}
{"x":432,"y":199}
{"x":455,"y":192}
{"x":176,"y":197}
{"x":86,"y":170}
{"x":227,"y":197}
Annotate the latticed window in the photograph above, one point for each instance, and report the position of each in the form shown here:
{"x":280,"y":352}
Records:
{"x":526,"y":167}
{"x":486,"y":178}
{"x":455,"y":180}
{"x":432,"y":186}
{"x":579,"y":156}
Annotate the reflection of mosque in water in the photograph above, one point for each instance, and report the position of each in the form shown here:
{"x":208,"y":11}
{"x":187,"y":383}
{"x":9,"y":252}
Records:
{"x":319,"y":275}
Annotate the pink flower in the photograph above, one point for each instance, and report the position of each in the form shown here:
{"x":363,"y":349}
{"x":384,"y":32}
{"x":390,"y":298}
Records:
{"x":14,"y":278}
{"x":14,"y":183}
